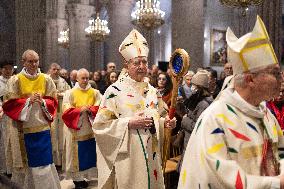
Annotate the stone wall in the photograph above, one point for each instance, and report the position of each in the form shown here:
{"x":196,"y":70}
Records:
{"x":188,"y":29}
{"x":7,"y":30}
{"x":31,"y":28}
{"x":188,"y":25}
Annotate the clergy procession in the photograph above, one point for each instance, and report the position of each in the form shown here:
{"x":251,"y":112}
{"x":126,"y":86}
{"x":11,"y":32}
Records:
{"x":162,"y":127}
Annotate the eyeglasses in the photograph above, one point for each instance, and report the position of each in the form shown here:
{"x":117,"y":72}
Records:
{"x":276,"y":73}
{"x":138,"y":62}
{"x":228,"y":68}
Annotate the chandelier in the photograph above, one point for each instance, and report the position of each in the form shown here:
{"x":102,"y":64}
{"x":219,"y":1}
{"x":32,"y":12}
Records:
{"x":243,"y":4}
{"x":97,"y":29}
{"x":147,"y":13}
{"x":63,"y":39}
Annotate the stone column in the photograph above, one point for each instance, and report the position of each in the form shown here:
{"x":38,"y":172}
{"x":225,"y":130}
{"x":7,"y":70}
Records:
{"x":150,"y":37}
{"x":97,"y":55}
{"x":271,"y":14}
{"x":7,"y":29}
{"x":56,"y":22}
{"x":120,"y":25}
{"x":188,"y":29}
{"x":51,"y":42}
{"x":31,"y":27}
{"x":79,"y":48}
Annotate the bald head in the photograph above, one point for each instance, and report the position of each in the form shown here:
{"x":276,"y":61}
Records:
{"x":83,"y":77}
{"x":111,"y":67}
{"x":73,"y":75}
{"x":30,"y":60}
{"x":63,"y":73}
{"x":82,"y":71}
{"x":29,"y":53}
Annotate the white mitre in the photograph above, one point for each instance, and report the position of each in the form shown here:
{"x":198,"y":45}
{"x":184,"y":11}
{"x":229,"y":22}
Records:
{"x":134,"y":45}
{"x":251,"y":51}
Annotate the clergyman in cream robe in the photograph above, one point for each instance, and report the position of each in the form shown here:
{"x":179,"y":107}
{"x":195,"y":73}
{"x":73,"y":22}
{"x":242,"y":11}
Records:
{"x":80,"y":147}
{"x":129,"y":158}
{"x":30,"y":130}
{"x":57,"y":125}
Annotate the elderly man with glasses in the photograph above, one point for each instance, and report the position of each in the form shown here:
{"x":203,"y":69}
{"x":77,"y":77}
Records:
{"x":235,"y":141}
{"x":31,"y":105}
{"x":129,"y":126}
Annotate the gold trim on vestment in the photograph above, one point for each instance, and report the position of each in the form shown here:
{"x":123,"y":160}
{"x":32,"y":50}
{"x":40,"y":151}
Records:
{"x":84,"y":137}
{"x":22,"y":144}
{"x":251,"y":152}
{"x":245,"y":64}
{"x":36,"y":129}
{"x":256,"y":42}
{"x":75,"y":159}
{"x":267,"y":36}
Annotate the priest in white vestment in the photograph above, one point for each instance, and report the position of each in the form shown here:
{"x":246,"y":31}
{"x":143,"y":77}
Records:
{"x":130,"y":123}
{"x":235,"y":141}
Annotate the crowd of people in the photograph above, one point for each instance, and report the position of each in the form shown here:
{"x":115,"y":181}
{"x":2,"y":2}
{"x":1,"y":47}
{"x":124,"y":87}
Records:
{"x":110,"y":123}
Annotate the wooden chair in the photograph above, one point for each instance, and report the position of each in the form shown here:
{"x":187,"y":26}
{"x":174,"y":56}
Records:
{"x":171,"y":164}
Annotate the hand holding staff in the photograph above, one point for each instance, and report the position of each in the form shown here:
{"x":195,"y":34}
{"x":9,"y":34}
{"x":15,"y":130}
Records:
{"x":179,"y":65}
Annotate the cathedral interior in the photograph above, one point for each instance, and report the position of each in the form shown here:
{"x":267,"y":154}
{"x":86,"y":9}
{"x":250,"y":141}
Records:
{"x":87,"y":33}
{"x":36,"y":24}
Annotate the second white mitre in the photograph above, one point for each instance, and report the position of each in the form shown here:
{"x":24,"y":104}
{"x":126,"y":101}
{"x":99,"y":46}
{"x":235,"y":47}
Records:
{"x":134,"y":45}
{"x":251,"y":51}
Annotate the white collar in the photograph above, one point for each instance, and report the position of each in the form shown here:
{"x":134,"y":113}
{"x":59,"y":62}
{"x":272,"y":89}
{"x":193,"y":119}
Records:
{"x":77,"y":86}
{"x":232,"y":97}
{"x":132,"y":82}
{"x":24,"y":71}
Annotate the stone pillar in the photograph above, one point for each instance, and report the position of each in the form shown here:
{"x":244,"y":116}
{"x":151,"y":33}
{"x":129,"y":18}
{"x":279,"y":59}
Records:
{"x":79,"y":48}
{"x":56,"y":22}
{"x":31,"y":27}
{"x":51,"y":42}
{"x":120,"y":25}
{"x":150,"y":38}
{"x":188,"y":29}
{"x":7,"y":29}
{"x":62,"y":53}
{"x":97,"y":55}
{"x":271,"y":14}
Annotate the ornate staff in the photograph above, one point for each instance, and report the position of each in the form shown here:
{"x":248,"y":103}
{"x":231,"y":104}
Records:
{"x":179,"y":65}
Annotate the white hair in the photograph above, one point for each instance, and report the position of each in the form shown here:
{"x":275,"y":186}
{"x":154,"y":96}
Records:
{"x":29,"y":51}
{"x":82,"y":70}
{"x":239,"y":79}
